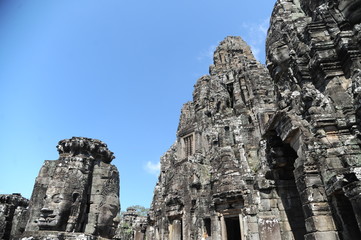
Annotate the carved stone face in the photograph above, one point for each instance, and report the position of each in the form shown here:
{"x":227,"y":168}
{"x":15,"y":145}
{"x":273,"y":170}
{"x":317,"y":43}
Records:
{"x":278,"y":56}
{"x":55,"y":211}
{"x":280,"y":53}
{"x":109,"y":215}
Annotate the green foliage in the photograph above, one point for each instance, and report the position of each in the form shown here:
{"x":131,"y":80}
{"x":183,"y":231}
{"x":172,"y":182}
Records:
{"x":126,"y":228}
{"x":126,"y":232}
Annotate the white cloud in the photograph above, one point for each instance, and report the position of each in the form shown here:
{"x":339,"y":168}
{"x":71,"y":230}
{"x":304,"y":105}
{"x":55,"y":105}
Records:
{"x":256,"y":52}
{"x":152,"y":168}
{"x":255,"y":35}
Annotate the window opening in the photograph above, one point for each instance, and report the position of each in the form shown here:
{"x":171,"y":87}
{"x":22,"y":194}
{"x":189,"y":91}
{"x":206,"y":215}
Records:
{"x":188,"y":144}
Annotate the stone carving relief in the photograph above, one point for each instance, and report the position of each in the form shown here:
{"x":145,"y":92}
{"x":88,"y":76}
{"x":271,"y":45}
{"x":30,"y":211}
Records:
{"x":76,"y":194}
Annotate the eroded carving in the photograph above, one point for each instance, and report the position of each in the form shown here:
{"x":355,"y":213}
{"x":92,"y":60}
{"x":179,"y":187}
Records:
{"x":78,"y":193}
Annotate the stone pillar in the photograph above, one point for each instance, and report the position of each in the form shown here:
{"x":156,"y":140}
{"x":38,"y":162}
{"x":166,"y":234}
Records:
{"x":138,"y":235}
{"x":318,"y":217}
{"x":150,"y":232}
{"x":224,"y":228}
{"x":162,"y":233}
{"x":157,"y":237}
{"x":170,"y":232}
{"x":185,"y":227}
{"x":176,"y":230}
{"x":353,"y":192}
{"x":216,"y":227}
{"x":241,"y":225}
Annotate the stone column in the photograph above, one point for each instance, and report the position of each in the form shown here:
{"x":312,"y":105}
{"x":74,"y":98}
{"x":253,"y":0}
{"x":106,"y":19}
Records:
{"x":241,"y":225}
{"x":138,"y":235}
{"x":224,"y":228}
{"x":157,"y":237}
{"x":170,"y":232}
{"x":216,"y":227}
{"x":353,"y":192}
{"x":176,"y":230}
{"x":315,"y":204}
{"x":150,"y":232}
{"x":185,"y":228}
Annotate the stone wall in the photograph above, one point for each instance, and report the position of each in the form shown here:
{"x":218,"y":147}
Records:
{"x":313,"y":54}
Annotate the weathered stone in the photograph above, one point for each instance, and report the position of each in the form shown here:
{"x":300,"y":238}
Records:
{"x":269,"y":228}
{"x":320,"y":223}
{"x":322,"y":235}
{"x":260,"y":154}
{"x":132,"y":226}
{"x":211,"y":168}
{"x":288,"y":151}
{"x":312,"y":49}
{"x":78,"y":193}
{"x":12,"y":215}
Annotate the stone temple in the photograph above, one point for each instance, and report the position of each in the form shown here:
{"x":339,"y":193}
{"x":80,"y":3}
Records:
{"x":262,"y":152}
{"x":74,"y":197}
{"x":271,"y":153}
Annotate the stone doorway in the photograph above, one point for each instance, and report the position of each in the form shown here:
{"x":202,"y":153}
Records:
{"x":344,"y":217}
{"x":281,"y":158}
{"x":208,"y":226}
{"x":233,"y":228}
{"x":230,"y":212}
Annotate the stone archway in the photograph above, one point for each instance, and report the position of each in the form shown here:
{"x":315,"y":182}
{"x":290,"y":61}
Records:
{"x":295,"y":169}
{"x":282,"y":157}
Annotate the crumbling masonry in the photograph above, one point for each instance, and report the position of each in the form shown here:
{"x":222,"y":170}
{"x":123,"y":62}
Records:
{"x":262,"y":152}
{"x":13,"y":208}
{"x":271,"y":154}
{"x":74,"y":197}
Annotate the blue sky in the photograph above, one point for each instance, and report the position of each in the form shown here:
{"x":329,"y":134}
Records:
{"x":115,"y":70}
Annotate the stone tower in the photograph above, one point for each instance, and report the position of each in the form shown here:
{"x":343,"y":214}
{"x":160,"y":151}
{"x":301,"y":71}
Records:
{"x":76,"y":195}
{"x":271,"y":155}
{"x":206,"y":184}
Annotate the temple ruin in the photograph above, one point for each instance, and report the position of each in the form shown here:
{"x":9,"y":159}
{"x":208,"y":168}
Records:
{"x":76,"y":196}
{"x":208,"y":186}
{"x":262,"y":152}
{"x":271,"y":153}
{"x":132,"y":225}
